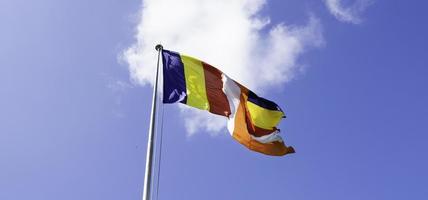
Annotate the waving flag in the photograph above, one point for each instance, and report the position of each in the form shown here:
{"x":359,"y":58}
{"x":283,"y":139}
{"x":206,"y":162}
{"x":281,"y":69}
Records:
{"x":252,"y":120}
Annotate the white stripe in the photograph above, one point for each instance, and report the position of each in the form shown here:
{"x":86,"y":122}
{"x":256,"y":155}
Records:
{"x":268,"y":138}
{"x":233,"y":93}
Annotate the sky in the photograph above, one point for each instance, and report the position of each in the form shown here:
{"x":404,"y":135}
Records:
{"x":76,"y":94}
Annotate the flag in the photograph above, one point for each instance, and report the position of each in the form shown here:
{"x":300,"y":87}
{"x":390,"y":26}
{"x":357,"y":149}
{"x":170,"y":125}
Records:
{"x":252,"y":120}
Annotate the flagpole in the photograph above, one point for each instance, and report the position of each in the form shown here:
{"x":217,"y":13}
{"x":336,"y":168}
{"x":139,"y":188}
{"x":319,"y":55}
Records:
{"x":150,"y":140}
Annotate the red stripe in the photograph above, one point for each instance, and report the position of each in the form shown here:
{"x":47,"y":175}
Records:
{"x":214,"y":87}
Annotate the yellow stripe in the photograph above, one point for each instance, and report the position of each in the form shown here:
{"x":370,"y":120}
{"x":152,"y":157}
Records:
{"x":262,"y":117}
{"x":195,"y":83}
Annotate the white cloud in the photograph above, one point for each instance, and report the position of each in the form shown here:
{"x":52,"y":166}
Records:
{"x":118,"y":88}
{"x":350,"y":13}
{"x":118,"y":85}
{"x":196,"y":120}
{"x":230,"y":35}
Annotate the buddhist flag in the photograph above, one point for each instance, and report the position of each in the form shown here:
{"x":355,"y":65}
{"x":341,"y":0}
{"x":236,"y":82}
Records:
{"x":252,"y":120}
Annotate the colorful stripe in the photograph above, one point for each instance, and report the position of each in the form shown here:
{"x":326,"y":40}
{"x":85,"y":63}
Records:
{"x":255,"y":130}
{"x":240,"y":133}
{"x":174,"y":85}
{"x":195,"y":83}
{"x":264,"y":118}
{"x":214,"y":87}
{"x":233,"y":93}
{"x":243,"y":130}
{"x":262,"y":102}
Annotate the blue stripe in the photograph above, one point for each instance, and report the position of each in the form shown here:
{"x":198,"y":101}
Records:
{"x":262,"y":102}
{"x":174,"y":82}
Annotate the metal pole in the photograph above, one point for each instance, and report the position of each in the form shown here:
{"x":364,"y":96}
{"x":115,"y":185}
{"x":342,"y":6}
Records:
{"x":150,"y":142}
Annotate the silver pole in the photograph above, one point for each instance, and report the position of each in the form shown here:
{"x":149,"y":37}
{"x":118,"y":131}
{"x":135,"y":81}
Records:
{"x":150,"y":141}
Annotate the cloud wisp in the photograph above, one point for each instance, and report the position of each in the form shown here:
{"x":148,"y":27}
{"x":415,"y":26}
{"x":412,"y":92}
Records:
{"x":350,"y":13}
{"x":230,"y":35}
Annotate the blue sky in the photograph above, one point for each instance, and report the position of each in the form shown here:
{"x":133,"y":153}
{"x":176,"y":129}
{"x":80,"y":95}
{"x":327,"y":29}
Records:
{"x":73,"y":125}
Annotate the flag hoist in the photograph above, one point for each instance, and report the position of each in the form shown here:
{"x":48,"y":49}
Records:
{"x":150,"y":139}
{"x":252,"y":120}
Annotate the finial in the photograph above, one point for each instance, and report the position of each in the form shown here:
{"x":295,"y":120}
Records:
{"x":158,"y":47}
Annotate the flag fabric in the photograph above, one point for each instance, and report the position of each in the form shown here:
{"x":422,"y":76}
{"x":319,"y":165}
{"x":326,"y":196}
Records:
{"x":252,"y":120}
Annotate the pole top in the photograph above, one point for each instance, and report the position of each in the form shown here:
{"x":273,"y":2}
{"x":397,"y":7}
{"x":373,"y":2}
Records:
{"x":158,"y":47}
